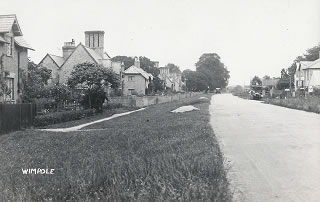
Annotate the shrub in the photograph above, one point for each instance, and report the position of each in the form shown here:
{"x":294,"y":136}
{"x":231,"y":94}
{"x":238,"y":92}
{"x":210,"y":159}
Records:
{"x":59,"y":117}
{"x":112,"y":106}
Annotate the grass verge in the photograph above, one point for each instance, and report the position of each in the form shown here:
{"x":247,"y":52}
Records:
{"x":151,"y":155}
{"x":310,"y":104}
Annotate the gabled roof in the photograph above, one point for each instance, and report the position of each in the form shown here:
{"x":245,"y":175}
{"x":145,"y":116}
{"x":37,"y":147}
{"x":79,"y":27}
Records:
{"x":304,"y":65}
{"x":270,"y":82}
{"x":57,"y":59}
{"x":136,"y":70}
{"x":8,"y":23}
{"x":106,"y":56}
{"x":22,"y":43}
{"x":95,"y":56}
{"x":314,"y":65}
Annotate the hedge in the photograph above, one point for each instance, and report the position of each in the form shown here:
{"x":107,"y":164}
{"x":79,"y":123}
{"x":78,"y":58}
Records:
{"x":59,"y":117}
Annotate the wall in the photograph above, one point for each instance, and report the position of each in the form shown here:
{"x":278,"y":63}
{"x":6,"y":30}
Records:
{"x":314,"y":77}
{"x":79,"y":56}
{"x":138,"y":84}
{"x":10,"y":63}
{"x":149,"y":100}
{"x":48,"y":63}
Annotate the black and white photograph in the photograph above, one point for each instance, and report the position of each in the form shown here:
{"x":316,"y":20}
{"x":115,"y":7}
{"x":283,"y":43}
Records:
{"x":160,"y":100}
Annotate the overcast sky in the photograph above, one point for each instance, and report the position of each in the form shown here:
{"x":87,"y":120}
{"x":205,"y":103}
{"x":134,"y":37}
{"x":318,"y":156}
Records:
{"x":253,"y":37}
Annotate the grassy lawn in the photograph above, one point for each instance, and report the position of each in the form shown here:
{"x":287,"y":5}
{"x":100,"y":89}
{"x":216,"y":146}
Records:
{"x":151,"y":155}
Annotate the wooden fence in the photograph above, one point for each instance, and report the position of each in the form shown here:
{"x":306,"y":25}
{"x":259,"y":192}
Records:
{"x":16,"y":116}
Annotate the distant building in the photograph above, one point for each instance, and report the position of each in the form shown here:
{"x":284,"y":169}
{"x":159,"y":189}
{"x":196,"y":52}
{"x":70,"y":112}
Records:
{"x":172,"y":80}
{"x":135,"y":80}
{"x":307,"y":74}
{"x":13,"y":56}
{"x":92,"y":51}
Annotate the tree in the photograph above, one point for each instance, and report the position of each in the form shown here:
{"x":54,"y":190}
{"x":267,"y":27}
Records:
{"x":284,"y":74}
{"x":4,"y":89}
{"x":127,"y":61}
{"x":312,"y":53}
{"x":195,"y":81}
{"x":94,"y":79}
{"x":173,"y":68}
{"x":256,"y":81}
{"x":34,"y":82}
{"x":266,"y":77}
{"x":213,"y":70}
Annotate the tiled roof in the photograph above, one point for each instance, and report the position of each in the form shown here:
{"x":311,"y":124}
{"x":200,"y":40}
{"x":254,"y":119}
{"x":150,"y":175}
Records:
{"x":313,"y":65}
{"x":304,"y":64}
{"x":57,"y":59}
{"x":22,"y":43}
{"x":8,"y":22}
{"x":270,"y":82}
{"x":136,"y":70}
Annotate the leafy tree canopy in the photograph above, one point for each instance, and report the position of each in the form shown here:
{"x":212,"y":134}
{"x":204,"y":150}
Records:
{"x":34,"y":81}
{"x":216,"y":73}
{"x":173,"y":68}
{"x":256,"y":81}
{"x":266,"y":77}
{"x":90,"y":74}
{"x":195,"y":80}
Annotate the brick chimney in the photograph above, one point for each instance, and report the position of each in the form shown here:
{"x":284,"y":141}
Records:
{"x":136,"y":62}
{"x":156,"y":64}
{"x":95,"y":41}
{"x":68,"y":48}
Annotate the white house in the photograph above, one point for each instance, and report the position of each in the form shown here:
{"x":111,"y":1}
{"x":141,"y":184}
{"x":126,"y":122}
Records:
{"x":135,"y":80}
{"x":307,"y":74}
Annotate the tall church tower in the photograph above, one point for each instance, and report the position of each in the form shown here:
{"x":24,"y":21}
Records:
{"x":95,"y":41}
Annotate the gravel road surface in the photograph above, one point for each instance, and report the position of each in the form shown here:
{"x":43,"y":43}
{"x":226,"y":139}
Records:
{"x":273,"y":152}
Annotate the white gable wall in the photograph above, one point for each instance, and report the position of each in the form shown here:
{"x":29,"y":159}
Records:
{"x":80,"y":55}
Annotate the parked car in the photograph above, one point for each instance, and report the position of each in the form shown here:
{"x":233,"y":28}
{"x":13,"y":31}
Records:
{"x":218,"y":91}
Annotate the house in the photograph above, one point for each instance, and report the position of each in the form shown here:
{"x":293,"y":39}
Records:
{"x":270,"y":86}
{"x":93,"y":52}
{"x":135,"y":80}
{"x":172,"y":80}
{"x":13,"y":56}
{"x":307,"y":75}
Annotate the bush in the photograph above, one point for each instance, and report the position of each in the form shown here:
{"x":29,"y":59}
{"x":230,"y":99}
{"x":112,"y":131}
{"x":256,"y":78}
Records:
{"x":59,"y":117}
{"x":112,"y":106}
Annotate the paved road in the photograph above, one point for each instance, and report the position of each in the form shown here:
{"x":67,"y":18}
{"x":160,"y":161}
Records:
{"x":274,"y":152}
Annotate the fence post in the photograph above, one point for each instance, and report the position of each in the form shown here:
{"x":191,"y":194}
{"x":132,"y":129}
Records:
{"x":1,"y":116}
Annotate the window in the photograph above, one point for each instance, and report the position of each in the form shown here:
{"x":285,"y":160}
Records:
{"x":10,"y":85}
{"x":10,"y":47}
{"x":98,"y":40}
{"x":131,"y":91}
{"x":92,"y":40}
{"x":130,"y":78}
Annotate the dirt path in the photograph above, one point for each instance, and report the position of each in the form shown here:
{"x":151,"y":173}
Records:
{"x":274,"y":151}
{"x":78,"y":127}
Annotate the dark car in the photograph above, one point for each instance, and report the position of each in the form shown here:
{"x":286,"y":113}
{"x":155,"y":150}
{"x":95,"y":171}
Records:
{"x":218,"y":91}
